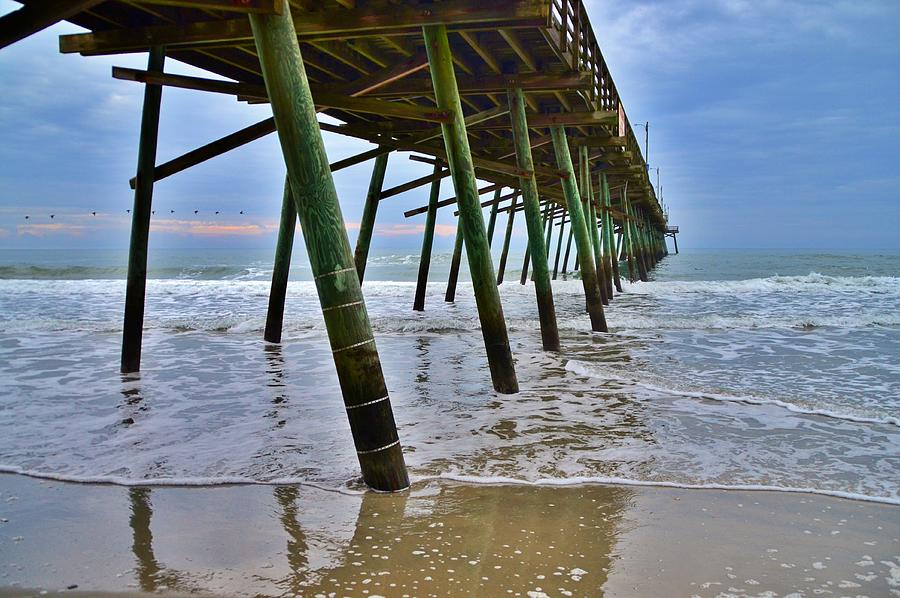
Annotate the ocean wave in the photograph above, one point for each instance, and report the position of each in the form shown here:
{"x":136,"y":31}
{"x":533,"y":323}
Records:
{"x":347,"y":489}
{"x":593,"y":371}
{"x":801,"y":321}
{"x":205,"y":272}
{"x":808,"y":283}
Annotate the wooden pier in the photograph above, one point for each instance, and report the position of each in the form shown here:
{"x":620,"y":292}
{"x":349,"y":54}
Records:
{"x":514,"y":93}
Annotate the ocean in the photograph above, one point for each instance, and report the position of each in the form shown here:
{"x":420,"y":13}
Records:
{"x":734,"y":369}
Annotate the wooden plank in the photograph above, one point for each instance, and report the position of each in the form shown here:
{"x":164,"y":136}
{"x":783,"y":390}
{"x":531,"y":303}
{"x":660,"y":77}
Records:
{"x":35,"y":17}
{"x":244,"y":6}
{"x":317,"y":25}
{"x":324,"y":100}
{"x":529,"y":82}
{"x":516,"y":44}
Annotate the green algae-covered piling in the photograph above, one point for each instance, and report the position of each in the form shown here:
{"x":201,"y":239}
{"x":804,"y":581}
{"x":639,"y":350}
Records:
{"x":532,"y":209}
{"x":459,"y":159}
{"x":507,"y":237}
{"x":281,"y":268}
{"x":367,"y":223}
{"x":136,"y":285}
{"x":353,"y":345}
{"x":579,"y":228}
{"x":427,"y":242}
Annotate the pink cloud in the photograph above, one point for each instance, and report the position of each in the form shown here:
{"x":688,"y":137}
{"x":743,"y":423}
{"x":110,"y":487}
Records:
{"x":402,"y":230}
{"x":211,"y":229}
{"x":43,"y":230}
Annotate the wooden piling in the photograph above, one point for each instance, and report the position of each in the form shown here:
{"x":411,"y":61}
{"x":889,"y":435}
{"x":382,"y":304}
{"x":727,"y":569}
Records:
{"x":459,"y":159}
{"x":367,"y":222}
{"x":609,"y":235}
{"x":492,"y":220}
{"x":524,"y":277}
{"x":346,"y":320}
{"x":506,"y":239}
{"x":136,"y":285}
{"x":450,"y":295}
{"x":281,"y":267}
{"x":568,"y":249}
{"x":591,"y":215}
{"x":427,"y":242}
{"x":532,"y":209}
{"x":562,"y":226}
{"x":579,"y":226}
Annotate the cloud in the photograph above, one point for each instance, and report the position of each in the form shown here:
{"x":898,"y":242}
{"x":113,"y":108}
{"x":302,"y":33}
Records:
{"x":212,"y":229}
{"x":403,"y":230}
{"x":44,"y":230}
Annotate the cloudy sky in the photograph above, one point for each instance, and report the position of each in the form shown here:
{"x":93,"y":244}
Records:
{"x":774,"y":124}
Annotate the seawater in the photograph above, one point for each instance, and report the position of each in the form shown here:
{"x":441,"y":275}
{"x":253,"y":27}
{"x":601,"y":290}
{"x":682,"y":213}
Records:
{"x":729,"y":369}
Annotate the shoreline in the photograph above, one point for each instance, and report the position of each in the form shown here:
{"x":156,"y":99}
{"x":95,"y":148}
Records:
{"x":498,"y":481}
{"x":441,"y":538}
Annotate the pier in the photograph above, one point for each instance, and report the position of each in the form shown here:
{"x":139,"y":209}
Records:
{"x":513,"y":93}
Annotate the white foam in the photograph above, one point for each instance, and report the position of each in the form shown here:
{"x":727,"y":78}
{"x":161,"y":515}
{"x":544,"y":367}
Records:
{"x":466,"y":479}
{"x":585,"y":369}
{"x":617,"y":481}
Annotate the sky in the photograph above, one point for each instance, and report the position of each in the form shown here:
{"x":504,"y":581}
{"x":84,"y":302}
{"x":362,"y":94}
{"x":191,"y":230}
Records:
{"x":773,"y":124}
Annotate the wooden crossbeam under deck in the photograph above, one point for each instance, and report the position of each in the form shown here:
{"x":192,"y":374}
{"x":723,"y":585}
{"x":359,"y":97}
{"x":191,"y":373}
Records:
{"x":316,"y":25}
{"x":35,"y":17}
{"x":322,"y":99}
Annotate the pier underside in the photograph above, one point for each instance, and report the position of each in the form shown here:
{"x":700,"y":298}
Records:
{"x":512,"y":93}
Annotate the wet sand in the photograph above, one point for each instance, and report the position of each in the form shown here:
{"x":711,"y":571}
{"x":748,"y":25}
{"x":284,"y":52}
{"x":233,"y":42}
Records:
{"x":441,"y":539}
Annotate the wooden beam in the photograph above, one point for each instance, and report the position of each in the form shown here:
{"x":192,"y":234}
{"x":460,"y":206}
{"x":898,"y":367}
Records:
{"x":513,"y":40}
{"x":244,"y":6}
{"x":415,"y":183}
{"x":452,"y":200}
{"x":315,"y":25}
{"x":37,"y":16}
{"x":323,"y":99}
{"x":488,"y":58}
{"x":531,"y":82}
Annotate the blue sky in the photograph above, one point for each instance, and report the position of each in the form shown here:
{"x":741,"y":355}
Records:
{"x":774,"y":124}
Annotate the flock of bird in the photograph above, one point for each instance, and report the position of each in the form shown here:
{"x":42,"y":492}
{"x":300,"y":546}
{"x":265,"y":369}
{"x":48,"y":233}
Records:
{"x":52,"y":216}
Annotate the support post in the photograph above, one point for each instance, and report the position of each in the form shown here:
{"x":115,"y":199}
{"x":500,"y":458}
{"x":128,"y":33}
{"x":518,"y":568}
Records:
{"x":568,"y":249}
{"x":524,"y":277}
{"x":549,"y":234}
{"x":450,"y":295}
{"x":492,"y":221}
{"x":609,"y":236}
{"x":346,"y":320}
{"x":532,"y":209}
{"x":427,"y":242}
{"x":459,"y":159}
{"x":675,"y":240}
{"x":281,"y":267}
{"x":136,"y":286}
{"x":595,"y":232}
{"x":506,"y":239}
{"x":562,"y":226}
{"x":367,"y":223}
{"x":582,"y":240}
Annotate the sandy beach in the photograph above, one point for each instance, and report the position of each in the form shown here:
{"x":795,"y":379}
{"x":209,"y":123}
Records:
{"x":441,"y":539}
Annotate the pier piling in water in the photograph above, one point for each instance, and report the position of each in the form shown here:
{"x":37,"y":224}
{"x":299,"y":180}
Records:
{"x":367,"y":222}
{"x":459,"y":159}
{"x":426,"y":93}
{"x":346,"y":320}
{"x":427,"y":242}
{"x":281,"y":268}
{"x":136,"y":285}
{"x":579,"y":228}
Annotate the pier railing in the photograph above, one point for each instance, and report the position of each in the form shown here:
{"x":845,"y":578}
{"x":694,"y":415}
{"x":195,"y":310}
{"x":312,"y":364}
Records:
{"x":578,"y":45}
